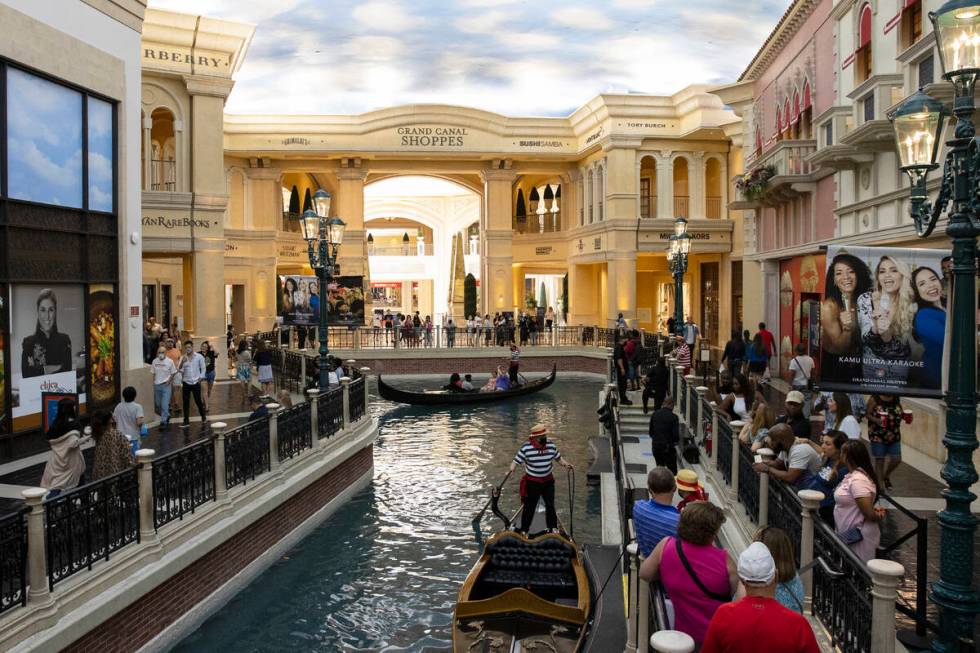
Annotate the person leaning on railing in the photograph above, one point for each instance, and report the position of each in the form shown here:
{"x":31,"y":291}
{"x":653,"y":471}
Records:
{"x":831,"y":471}
{"x":796,"y":462}
{"x":855,"y":514}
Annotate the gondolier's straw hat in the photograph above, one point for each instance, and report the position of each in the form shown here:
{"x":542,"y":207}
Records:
{"x":539,"y":430}
{"x":688,"y":480}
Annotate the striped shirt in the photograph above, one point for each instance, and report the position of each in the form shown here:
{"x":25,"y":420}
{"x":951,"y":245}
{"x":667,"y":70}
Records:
{"x":683,"y":355}
{"x":653,"y":522}
{"x":538,"y":463}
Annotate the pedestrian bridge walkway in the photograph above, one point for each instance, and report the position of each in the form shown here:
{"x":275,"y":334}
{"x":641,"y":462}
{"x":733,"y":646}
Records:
{"x":851,"y":606}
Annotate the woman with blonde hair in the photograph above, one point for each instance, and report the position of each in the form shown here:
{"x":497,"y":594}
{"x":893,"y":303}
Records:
{"x":886,"y":316}
{"x":754,"y":433}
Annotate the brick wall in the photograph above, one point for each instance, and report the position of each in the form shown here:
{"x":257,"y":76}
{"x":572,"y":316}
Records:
{"x":480,"y":367}
{"x":136,"y":625}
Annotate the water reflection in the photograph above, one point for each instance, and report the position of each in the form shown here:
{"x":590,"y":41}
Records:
{"x":382,"y":574}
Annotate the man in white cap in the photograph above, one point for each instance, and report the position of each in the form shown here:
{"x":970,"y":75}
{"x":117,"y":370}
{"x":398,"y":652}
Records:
{"x":794,"y":417}
{"x":757,"y":623}
{"x":538,"y":457}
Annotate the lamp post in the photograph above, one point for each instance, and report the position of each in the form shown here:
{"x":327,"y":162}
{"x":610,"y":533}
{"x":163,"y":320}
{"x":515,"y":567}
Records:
{"x":680,"y":245}
{"x":323,"y":236}
{"x":918,"y":122}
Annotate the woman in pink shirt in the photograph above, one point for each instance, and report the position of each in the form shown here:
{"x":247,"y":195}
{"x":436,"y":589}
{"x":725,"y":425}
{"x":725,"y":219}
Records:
{"x":856,"y":517}
{"x":709,"y":577}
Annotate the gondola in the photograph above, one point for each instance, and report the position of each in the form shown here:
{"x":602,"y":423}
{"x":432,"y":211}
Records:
{"x":524,"y":594}
{"x":444,"y":397}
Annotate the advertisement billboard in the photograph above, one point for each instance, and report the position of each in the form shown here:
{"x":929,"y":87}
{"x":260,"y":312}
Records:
{"x":298,"y":301}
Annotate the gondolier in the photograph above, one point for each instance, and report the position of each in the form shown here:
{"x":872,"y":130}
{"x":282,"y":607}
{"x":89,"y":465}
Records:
{"x":538,"y":457}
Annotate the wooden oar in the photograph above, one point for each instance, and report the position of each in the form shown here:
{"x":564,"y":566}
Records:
{"x":479,"y":515}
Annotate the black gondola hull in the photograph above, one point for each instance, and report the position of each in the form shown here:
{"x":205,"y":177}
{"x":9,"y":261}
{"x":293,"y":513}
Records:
{"x":453,"y":398}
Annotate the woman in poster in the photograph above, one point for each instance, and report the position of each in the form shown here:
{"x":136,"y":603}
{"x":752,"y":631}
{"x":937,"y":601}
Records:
{"x":301,"y":298}
{"x":47,"y":351}
{"x":315,"y":299}
{"x":848,"y":279}
{"x":288,"y":288}
{"x":886,"y":317}
{"x":930,"y":324}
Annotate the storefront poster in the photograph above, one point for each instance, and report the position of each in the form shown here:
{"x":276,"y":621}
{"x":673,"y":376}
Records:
{"x":298,"y":300}
{"x":883,"y":321}
{"x":102,"y":344}
{"x":47,"y":348}
{"x":800,"y":285}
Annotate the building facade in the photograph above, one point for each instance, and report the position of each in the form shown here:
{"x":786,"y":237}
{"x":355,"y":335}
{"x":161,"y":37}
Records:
{"x":69,"y":207}
{"x":592,"y":197}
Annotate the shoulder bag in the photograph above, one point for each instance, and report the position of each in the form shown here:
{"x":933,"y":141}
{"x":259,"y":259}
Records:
{"x":809,"y":381}
{"x":697,"y":581}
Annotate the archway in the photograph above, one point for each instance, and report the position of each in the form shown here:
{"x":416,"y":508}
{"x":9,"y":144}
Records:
{"x":420,"y":234}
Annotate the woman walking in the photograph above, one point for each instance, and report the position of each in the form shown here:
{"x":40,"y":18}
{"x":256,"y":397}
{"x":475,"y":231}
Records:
{"x":885,"y":414}
{"x":66,"y":466}
{"x":113,"y":453}
{"x":209,"y":360}
{"x":263,"y":361}
{"x":758,"y":357}
{"x":244,"y":368}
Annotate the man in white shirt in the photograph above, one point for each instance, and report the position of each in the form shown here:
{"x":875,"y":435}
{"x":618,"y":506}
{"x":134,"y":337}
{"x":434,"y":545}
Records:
{"x":691,"y":332}
{"x":802,"y":368}
{"x":193,"y":368}
{"x":128,"y":414}
{"x":163,"y":373}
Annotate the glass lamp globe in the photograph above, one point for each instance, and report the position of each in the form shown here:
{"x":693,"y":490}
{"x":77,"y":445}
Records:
{"x":957,"y":27}
{"x":918,"y":123}
{"x":321,"y":200}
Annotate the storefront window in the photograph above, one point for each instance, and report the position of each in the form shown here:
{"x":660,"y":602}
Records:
{"x":100,"y":155}
{"x":44,"y":140}
{"x":709,"y":302}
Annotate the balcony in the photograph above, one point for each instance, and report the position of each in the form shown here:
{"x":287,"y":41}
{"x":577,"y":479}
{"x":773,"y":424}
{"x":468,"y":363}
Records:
{"x":682,"y":206}
{"x":420,"y":249}
{"x":871,"y":101}
{"x":163,"y":175}
{"x":832,"y":155}
{"x":790,"y":174}
{"x":538,"y":223}
{"x":712,"y":208}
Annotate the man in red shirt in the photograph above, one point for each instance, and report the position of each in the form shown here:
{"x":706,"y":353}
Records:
{"x":768,"y":339}
{"x":758,"y":623}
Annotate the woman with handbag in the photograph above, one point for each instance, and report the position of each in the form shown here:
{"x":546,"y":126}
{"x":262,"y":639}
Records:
{"x":697,"y":575}
{"x":801,"y":367}
{"x":855,"y":515}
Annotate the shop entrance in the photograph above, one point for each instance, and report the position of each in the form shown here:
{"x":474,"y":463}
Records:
{"x":235,"y":306}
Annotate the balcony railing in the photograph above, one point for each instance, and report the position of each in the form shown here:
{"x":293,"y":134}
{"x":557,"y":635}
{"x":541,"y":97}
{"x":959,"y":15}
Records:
{"x":648,"y":206}
{"x":163,"y":175}
{"x":682,"y":206}
{"x":712,"y":207}
{"x":538,"y":224}
{"x":404,"y":250}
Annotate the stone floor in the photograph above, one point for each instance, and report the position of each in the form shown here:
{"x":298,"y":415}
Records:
{"x":225,"y":405}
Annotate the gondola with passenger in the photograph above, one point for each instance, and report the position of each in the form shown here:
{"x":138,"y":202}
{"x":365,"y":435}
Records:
{"x":450,"y":397}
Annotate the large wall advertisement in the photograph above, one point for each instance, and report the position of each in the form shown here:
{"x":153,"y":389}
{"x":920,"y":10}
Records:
{"x":883,"y":321}
{"x":298,"y":301}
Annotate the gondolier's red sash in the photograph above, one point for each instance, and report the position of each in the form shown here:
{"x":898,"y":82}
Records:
{"x":528,"y":479}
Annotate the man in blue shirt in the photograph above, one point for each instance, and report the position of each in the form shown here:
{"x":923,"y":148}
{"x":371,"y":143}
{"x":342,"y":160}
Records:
{"x":656,"y":518}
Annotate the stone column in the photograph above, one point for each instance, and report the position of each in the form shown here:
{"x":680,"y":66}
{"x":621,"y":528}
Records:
{"x":345,"y":386}
{"x":620,"y":289}
{"x":885,"y":578}
{"x":349,"y":205}
{"x":698,"y":429}
{"x":312,"y":396}
{"x":811,"y":502}
{"x":634,"y":607}
{"x":497,"y":234}
{"x":665,"y":185}
{"x":144,"y":461}
{"x":367,"y":394}
{"x":37,"y":563}
{"x":763,"y":500}
{"x":695,"y":183}
{"x":220,"y":481}
{"x":274,"y":462}
{"x":147,"y":155}
{"x":692,"y":382}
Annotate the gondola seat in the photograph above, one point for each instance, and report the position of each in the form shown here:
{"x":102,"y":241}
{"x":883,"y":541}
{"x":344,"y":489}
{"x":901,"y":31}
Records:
{"x":544,"y":564}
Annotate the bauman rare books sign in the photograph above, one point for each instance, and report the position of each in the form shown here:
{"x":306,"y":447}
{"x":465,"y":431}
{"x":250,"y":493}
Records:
{"x":883,"y":320}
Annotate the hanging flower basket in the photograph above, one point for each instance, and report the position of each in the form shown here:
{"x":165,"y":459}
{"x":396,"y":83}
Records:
{"x":753,"y":184}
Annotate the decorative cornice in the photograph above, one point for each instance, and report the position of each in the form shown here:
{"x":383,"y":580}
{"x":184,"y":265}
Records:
{"x":787,"y":27}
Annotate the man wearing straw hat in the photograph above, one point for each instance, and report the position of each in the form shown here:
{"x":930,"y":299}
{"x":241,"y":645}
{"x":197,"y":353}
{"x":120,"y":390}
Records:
{"x":538,"y":457}
{"x":689,"y":488}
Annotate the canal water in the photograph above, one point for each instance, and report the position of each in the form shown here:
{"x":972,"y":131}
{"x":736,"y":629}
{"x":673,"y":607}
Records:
{"x":382,"y":573}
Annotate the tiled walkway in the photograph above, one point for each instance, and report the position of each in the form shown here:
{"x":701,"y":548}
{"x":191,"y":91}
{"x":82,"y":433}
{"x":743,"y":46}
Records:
{"x":225,"y":405}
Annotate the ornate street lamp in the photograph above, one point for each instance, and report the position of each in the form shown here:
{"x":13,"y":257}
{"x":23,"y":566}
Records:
{"x":323,"y":236}
{"x":680,"y":246}
{"x":918,"y":123}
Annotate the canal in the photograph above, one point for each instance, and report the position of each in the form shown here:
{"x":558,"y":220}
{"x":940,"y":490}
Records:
{"x":382,"y":573}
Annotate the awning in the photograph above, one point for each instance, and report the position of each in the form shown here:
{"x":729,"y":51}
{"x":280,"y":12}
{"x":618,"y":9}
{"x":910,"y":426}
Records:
{"x":521,"y":212}
{"x":796,"y":108}
{"x":909,"y":3}
{"x":786,"y":113}
{"x":779,"y":120}
{"x":864,"y":32}
{"x":806,"y":96}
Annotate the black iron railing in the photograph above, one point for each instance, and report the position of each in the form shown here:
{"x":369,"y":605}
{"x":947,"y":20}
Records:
{"x":89,"y":523}
{"x":588,"y":336}
{"x":682,"y":386}
{"x":842,"y":604}
{"x":13,"y":560}
{"x":694,"y":405}
{"x":292,"y":369}
{"x":748,"y":481}
{"x":182,"y":481}
{"x":705,"y":417}
{"x":294,"y":431}
{"x":263,"y":336}
{"x":785,"y":512}
{"x":723,"y":449}
{"x":568,"y":336}
{"x":358,"y":402}
{"x":918,"y":611}
{"x":606,"y":338}
{"x":330,"y":412}
{"x":246,"y":452}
